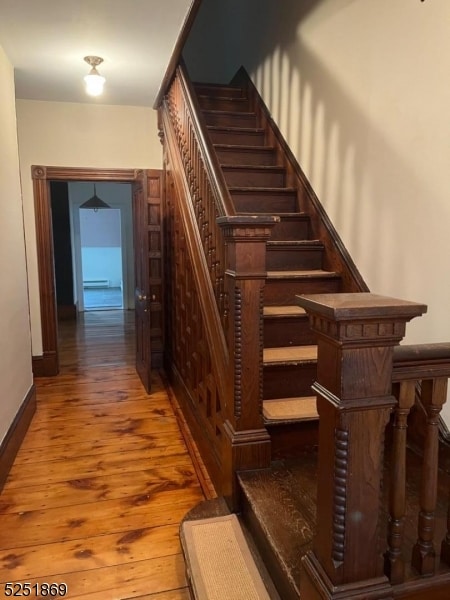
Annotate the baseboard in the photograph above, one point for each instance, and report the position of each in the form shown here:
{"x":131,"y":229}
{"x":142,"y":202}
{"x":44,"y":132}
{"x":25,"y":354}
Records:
{"x":45,"y":365}
{"x":66,"y":312}
{"x":16,"y":433}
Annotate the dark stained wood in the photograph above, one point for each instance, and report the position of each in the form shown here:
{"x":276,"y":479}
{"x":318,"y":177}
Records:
{"x":356,"y":334}
{"x":16,"y":433}
{"x":102,"y":479}
{"x":47,"y":364}
{"x":434,"y":395}
{"x":394,"y":559}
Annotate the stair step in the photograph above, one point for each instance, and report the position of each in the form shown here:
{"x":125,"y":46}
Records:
{"x":237,"y":135}
{"x":290,"y":355}
{"x":213,"y":89}
{"x":234,"y":154}
{"x":226,"y":118}
{"x":284,"y":311}
{"x":282,"y":286}
{"x":264,"y":200}
{"x":286,"y":410}
{"x":279,"y":509}
{"x":225,"y":103}
{"x":271,"y":176}
{"x":291,"y":226}
{"x":287,"y":255}
{"x":219,"y":562}
{"x":286,"y":326}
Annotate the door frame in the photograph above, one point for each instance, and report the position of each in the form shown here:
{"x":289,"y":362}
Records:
{"x":48,"y":363}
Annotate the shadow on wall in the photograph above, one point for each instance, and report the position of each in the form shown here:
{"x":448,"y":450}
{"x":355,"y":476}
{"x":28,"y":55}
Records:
{"x":348,"y":157}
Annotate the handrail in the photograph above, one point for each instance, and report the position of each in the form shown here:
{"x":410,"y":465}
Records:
{"x":418,"y":361}
{"x":420,"y":377}
{"x":224,"y":203}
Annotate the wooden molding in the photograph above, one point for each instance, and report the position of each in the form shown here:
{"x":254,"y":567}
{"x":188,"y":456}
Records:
{"x":45,"y":365}
{"x":16,"y":433}
{"x":41,"y":176}
{"x":176,"y":54}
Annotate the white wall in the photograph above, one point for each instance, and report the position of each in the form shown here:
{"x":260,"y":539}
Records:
{"x":78,"y":135}
{"x":118,"y":196}
{"x":360,"y":90}
{"x":15,"y":343}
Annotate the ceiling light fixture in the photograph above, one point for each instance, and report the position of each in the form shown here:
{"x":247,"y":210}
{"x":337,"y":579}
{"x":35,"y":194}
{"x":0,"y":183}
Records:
{"x":95,"y":202}
{"x":94,"y":81}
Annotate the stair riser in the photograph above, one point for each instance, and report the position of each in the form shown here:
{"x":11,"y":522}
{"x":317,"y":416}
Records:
{"x":288,"y":381}
{"x":288,"y":331}
{"x":230,"y":119}
{"x":253,"y":178}
{"x":283,"y":292}
{"x":291,"y":229}
{"x":264,"y":203}
{"x":246,"y":157}
{"x":292,"y":259}
{"x":230,"y":104}
{"x":290,"y":440}
{"x":244,"y":138}
{"x":218,"y":91}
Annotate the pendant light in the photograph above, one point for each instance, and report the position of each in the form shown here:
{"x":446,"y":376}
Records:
{"x":94,"y":81}
{"x":95,"y":203}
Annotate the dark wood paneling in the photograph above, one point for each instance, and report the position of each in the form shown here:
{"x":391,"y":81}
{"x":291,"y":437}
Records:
{"x":14,"y":437}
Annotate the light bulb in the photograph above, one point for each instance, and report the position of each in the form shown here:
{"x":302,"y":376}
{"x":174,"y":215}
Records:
{"x":94,"y":83}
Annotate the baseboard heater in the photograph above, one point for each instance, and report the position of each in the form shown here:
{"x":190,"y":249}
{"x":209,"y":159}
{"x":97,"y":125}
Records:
{"x":95,"y":284}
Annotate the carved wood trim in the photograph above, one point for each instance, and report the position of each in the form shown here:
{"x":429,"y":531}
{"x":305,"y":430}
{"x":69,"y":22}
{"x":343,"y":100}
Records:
{"x":41,"y":176}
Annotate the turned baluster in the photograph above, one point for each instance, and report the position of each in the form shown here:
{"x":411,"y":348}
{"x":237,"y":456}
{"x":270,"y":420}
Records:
{"x":394,"y":562}
{"x":445,"y":547}
{"x":434,"y":393}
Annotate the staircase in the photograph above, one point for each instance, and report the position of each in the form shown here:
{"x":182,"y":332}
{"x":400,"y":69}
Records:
{"x":261,"y":181}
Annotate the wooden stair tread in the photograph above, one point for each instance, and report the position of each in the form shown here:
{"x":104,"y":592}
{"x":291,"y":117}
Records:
{"x":234,"y":129}
{"x":213,"y":111}
{"x":289,"y":355}
{"x":253,"y":168}
{"x":248,"y":147}
{"x":262,"y":190}
{"x":279,"y":505}
{"x":289,"y":243}
{"x":310,"y":274}
{"x":284,"y":311}
{"x":301,"y":408}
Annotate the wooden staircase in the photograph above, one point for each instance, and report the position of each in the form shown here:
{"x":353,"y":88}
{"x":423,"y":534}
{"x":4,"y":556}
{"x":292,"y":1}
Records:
{"x":260,"y":183}
{"x":245,"y":235}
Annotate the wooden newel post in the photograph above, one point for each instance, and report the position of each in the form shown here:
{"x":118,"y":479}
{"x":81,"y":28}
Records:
{"x":247,"y":443}
{"x":356,"y":335}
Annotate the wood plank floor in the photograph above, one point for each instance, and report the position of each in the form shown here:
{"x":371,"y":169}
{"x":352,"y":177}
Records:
{"x":103,"y":478}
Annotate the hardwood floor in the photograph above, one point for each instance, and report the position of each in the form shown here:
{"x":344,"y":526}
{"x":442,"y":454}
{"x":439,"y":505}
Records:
{"x":103,"y":478}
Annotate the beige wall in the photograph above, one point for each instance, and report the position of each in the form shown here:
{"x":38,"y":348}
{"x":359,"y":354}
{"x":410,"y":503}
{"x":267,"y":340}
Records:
{"x":360,"y":90}
{"x":15,"y":344}
{"x":78,"y":135}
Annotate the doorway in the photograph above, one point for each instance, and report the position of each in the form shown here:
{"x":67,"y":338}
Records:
{"x":148,"y":191}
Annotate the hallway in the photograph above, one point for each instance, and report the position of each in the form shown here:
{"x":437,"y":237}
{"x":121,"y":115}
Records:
{"x":103,"y":478}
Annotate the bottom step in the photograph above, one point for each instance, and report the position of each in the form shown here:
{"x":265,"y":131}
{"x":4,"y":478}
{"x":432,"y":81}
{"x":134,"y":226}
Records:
{"x":219,"y":562}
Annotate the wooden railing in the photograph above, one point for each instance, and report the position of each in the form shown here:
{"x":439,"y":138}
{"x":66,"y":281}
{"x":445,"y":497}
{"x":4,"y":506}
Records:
{"x":215,"y":296}
{"x":356,"y":366}
{"x":420,"y":377}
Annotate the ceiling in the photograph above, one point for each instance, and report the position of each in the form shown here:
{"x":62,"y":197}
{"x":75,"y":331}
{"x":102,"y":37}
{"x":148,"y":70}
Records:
{"x":46,"y":42}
